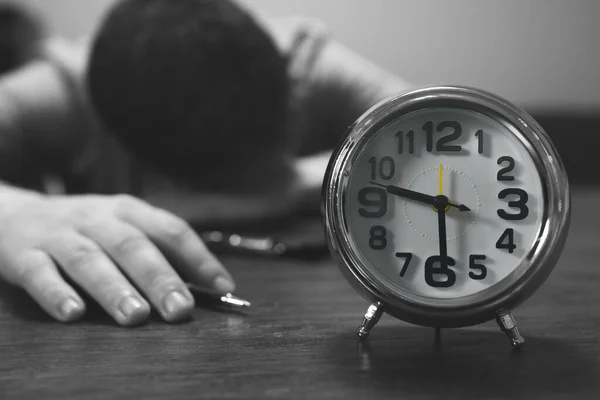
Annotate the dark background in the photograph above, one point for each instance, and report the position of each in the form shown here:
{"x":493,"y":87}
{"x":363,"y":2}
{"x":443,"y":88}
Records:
{"x":577,"y":138}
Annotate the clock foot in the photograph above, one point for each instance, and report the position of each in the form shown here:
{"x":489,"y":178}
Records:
{"x":507,"y":323}
{"x":371,"y":318}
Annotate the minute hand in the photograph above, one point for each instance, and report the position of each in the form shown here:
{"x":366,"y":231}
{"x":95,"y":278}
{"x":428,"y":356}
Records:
{"x":420,"y":197}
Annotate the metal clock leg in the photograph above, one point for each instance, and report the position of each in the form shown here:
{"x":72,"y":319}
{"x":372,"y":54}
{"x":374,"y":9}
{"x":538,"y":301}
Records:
{"x":509,"y":326}
{"x":372,"y":316}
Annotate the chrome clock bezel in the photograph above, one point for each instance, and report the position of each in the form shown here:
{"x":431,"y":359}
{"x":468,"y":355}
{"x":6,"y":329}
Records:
{"x":506,"y":294}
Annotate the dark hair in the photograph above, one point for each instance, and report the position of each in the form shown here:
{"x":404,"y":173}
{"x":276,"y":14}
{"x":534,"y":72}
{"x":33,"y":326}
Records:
{"x":20,"y":33}
{"x":196,"y":88}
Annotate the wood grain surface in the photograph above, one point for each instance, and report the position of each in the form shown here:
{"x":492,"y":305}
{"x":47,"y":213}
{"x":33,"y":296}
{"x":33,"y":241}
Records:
{"x":298,"y":341}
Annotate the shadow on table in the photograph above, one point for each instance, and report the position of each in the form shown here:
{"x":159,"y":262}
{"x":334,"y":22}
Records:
{"x":473,"y":363}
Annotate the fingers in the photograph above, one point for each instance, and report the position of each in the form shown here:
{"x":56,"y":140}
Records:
{"x":39,"y":276}
{"x":87,"y":264}
{"x":112,"y":258}
{"x":178,"y":240}
{"x":145,"y":265}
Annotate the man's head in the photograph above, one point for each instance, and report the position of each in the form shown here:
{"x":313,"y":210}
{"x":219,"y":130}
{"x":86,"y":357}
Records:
{"x":195,"y":88}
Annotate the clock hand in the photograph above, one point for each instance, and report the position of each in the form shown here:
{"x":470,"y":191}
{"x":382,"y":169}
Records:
{"x":461,"y":207}
{"x":441,"y":212}
{"x":420,"y":197}
{"x":442,"y":187}
{"x":441,"y":180}
{"x":406,"y":193}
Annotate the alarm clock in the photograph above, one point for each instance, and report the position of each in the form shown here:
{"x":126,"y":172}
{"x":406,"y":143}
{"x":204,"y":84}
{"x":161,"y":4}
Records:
{"x":446,"y":207}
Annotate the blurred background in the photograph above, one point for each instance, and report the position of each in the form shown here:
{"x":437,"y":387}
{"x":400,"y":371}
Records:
{"x":538,"y":53}
{"x":541,"y":54}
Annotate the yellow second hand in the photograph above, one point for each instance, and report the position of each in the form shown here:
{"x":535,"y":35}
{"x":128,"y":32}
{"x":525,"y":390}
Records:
{"x":441,"y":179}
{"x":442,"y":184}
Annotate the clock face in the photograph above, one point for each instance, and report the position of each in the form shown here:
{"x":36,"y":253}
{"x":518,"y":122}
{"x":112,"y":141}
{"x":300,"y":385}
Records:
{"x":443,"y":203}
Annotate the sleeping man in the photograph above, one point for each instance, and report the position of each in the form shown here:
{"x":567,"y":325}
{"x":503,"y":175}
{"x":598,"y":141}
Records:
{"x":232,"y":114}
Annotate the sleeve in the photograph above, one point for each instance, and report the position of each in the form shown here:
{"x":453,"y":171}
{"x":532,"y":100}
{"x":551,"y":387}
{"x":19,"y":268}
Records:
{"x":331,"y":85}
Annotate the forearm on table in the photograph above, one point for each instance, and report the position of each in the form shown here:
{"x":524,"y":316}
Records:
{"x":310,"y":171}
{"x":365,"y":82}
{"x":345,"y":86}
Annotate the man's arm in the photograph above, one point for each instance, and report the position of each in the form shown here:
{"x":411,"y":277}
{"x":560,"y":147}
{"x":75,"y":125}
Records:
{"x":343,"y":85}
{"x":331,"y":87}
{"x":17,"y":165}
{"x":41,"y":131}
{"x":114,"y":248}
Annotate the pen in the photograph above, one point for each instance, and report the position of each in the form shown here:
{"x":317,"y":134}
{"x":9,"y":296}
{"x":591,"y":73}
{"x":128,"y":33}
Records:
{"x":206,"y":297}
{"x":232,"y":243}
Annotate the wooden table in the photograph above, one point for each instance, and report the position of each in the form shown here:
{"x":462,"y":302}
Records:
{"x":298,"y":341}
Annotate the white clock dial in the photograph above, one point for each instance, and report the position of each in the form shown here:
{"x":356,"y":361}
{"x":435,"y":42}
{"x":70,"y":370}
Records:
{"x":483,"y":166}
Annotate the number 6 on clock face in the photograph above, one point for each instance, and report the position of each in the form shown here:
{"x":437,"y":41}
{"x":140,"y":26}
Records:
{"x":444,"y":205}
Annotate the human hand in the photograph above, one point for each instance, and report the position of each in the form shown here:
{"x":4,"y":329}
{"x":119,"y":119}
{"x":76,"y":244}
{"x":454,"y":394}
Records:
{"x":127,"y":255}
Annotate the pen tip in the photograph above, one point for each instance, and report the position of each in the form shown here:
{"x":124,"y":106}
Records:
{"x":235,"y":301}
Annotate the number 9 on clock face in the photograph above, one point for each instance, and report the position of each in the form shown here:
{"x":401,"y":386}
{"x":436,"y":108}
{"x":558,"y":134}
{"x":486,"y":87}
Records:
{"x":446,"y":198}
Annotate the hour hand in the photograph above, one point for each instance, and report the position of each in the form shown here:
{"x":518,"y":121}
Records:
{"x":420,"y":197}
{"x":407,"y":194}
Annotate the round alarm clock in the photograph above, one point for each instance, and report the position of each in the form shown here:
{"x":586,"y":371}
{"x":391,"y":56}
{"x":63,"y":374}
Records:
{"x":446,"y":207}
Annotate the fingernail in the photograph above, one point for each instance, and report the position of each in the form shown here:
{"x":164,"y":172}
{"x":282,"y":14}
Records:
{"x":70,"y":308}
{"x":130,"y":307}
{"x":223,"y":285}
{"x":176,"y":304}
